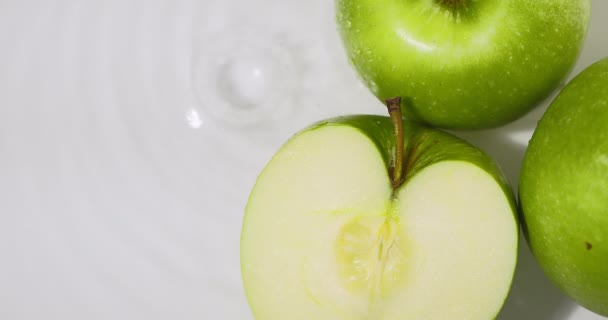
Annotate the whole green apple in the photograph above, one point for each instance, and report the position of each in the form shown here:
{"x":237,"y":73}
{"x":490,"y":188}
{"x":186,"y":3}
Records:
{"x":564,"y":189}
{"x":463,"y":64}
{"x":368,"y":217}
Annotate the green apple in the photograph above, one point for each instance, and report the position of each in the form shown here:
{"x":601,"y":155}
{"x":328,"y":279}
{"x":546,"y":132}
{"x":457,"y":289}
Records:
{"x":463,"y":64}
{"x":368,"y":217}
{"x":564,"y":189}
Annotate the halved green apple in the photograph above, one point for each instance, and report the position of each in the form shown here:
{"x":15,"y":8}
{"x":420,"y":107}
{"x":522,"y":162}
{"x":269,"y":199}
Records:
{"x":346,"y":223}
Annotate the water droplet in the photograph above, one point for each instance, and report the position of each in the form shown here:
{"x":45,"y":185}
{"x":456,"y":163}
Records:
{"x":193,"y":119}
{"x":246,"y":82}
{"x":372,"y":85}
{"x":243,"y":86}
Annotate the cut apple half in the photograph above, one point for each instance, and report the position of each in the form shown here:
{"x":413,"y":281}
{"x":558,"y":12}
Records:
{"x":327,"y":236}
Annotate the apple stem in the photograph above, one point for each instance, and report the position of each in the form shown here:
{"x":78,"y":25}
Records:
{"x":394,"y":110}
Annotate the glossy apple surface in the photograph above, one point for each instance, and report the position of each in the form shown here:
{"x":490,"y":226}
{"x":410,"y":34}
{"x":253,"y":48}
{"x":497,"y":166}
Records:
{"x":564,"y":189}
{"x":463,"y":64}
{"x":327,"y":235}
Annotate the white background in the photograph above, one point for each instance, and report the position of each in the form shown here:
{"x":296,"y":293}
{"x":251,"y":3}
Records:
{"x":132,"y":131}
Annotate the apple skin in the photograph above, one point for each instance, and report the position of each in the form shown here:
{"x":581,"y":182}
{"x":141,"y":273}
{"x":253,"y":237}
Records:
{"x":477,"y":64}
{"x":427,"y":146}
{"x":564,"y":189}
{"x":431,"y":146}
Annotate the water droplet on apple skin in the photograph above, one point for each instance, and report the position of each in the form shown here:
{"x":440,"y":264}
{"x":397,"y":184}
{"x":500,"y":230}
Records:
{"x":373,"y":86}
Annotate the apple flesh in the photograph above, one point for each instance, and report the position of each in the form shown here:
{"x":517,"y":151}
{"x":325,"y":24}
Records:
{"x":463,"y":64}
{"x":564,"y":189}
{"x":328,"y":234}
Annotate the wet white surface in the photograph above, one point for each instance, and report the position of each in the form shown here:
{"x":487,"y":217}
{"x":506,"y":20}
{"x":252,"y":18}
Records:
{"x":132,"y":131}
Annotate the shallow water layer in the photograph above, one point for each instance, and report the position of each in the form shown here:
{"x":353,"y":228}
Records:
{"x":132,"y":132}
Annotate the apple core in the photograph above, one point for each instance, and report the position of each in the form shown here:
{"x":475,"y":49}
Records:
{"x":371,"y":254}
